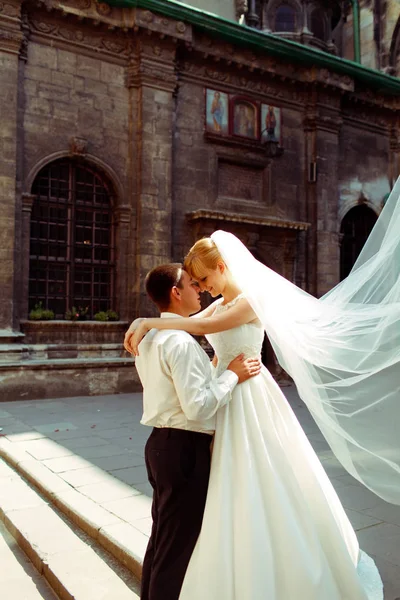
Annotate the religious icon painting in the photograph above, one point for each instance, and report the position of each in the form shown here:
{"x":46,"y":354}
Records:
{"x":271,"y":124}
{"x":244,"y":118}
{"x":217,"y":112}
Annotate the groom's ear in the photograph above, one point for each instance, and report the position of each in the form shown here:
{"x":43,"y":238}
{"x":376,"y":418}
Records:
{"x":175,"y":293}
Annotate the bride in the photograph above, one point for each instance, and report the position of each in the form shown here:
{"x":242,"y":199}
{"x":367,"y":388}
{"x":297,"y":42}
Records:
{"x":273,"y":526}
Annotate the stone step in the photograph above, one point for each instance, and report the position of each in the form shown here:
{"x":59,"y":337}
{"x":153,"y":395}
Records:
{"x":11,"y":353}
{"x":19,"y":578}
{"x":74,"y":566}
{"x":21,"y":352}
{"x":123,"y":529}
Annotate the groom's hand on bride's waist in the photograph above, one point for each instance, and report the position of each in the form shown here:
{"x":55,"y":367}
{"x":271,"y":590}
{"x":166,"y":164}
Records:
{"x":245,"y":367}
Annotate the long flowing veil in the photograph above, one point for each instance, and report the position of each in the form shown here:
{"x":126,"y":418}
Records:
{"x":343,"y":350}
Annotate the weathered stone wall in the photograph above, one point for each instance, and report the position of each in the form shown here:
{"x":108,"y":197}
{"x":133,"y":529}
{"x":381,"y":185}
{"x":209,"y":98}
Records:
{"x":10,"y":43}
{"x":210,"y":173}
{"x":124,"y":91}
{"x":71,"y":94}
{"x":364,"y":175}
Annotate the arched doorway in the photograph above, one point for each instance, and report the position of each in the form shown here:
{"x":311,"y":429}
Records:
{"x":71,"y":239}
{"x":355,"y":229}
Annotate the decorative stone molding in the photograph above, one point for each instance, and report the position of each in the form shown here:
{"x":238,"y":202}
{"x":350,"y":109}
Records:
{"x":10,"y":9}
{"x":27,"y":202}
{"x":11,"y":36}
{"x":207,"y":74}
{"x":90,"y":158}
{"x":121,"y":18}
{"x":123,"y":215}
{"x":78,"y":146}
{"x":68,"y":33}
{"x":314,"y":120}
{"x":152,"y":65}
{"x":213,"y":215}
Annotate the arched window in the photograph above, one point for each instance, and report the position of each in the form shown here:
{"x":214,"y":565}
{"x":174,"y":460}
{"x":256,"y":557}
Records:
{"x":71,"y":245}
{"x":356,"y":227}
{"x":285,"y":18}
{"x":318,"y":25}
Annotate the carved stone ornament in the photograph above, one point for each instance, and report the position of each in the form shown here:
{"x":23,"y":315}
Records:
{"x":93,"y":40}
{"x":276,"y":90}
{"x":152,"y":74}
{"x":10,"y":10}
{"x":103,"y":9}
{"x":241,"y":8}
{"x":78,"y":146}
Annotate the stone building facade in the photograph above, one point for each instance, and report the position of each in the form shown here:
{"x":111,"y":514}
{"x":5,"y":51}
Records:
{"x":129,"y":132}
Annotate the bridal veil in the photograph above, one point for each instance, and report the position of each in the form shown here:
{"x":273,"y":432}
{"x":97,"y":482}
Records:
{"x":342,"y":350}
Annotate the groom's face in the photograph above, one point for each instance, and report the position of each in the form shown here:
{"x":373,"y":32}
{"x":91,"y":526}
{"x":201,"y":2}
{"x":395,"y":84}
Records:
{"x":189,"y":295}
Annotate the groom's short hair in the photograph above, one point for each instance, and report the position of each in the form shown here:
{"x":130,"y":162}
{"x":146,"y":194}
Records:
{"x":160,"y":281}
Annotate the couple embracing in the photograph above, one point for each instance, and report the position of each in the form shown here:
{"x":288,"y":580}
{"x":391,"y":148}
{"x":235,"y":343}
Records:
{"x":242,"y":507}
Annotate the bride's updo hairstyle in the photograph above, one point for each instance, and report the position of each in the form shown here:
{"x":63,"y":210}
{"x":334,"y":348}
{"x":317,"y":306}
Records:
{"x":203,"y":255}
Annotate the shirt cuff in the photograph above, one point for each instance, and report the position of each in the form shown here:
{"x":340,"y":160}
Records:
{"x":223,"y":386}
{"x":230,"y":378}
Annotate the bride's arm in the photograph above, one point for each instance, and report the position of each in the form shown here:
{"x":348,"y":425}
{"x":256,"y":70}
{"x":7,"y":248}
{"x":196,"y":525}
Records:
{"x":239,"y":314}
{"x":207,"y":312}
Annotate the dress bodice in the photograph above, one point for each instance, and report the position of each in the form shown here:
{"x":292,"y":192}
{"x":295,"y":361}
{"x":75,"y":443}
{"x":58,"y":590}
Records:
{"x":245,"y":339}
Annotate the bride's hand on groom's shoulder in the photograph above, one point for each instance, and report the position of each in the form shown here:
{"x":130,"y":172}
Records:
{"x":130,"y":333}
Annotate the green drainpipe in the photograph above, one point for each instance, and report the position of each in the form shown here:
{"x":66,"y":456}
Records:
{"x":356,"y":31}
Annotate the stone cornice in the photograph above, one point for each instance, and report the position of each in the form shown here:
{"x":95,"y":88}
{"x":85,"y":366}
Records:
{"x":273,"y":45}
{"x":131,"y":19}
{"x":11,"y":36}
{"x":214,"y":215}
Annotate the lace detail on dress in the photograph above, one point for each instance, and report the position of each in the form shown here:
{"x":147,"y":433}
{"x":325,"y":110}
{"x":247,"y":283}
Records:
{"x":245,"y":339}
{"x":231,"y":303}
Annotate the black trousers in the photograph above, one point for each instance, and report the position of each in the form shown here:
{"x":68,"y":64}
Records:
{"x":178,"y":467}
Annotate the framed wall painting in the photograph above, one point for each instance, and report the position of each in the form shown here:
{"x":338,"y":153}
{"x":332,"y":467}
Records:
{"x":217,"y":112}
{"x":244,"y":118}
{"x":271,"y":123}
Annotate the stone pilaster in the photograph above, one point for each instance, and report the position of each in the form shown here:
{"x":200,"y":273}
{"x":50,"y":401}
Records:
{"x":123,"y":220}
{"x":322,"y":129}
{"x":10,"y":43}
{"x":27,"y":203}
{"x":152,"y":81}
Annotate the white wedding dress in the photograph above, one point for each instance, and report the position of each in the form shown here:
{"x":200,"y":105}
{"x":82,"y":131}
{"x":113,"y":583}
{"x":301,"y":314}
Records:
{"x":273,"y":527}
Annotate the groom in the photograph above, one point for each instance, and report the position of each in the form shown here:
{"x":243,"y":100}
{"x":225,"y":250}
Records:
{"x":180,"y":401}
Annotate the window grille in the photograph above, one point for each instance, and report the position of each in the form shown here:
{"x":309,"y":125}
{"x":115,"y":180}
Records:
{"x":72,"y":240}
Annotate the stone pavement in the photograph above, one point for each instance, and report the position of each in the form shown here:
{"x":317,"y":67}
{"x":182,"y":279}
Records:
{"x":86,"y":455}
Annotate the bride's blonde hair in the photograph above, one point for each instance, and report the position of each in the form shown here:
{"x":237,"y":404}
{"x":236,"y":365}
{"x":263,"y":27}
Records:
{"x":203,"y":255}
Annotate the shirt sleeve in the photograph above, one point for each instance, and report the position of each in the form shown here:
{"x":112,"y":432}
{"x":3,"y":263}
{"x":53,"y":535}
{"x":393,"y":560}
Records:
{"x":199,"y":395}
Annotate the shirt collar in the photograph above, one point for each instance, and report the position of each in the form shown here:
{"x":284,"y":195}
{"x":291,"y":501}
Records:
{"x":170,"y":315}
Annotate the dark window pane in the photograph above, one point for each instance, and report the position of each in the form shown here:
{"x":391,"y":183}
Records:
{"x":318,"y":25}
{"x":285,"y":18}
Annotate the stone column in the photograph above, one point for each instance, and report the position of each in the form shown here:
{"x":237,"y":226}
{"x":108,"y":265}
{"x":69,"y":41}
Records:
{"x":27,"y":203}
{"x":10,"y":43}
{"x":151,"y":78}
{"x":322,"y":128}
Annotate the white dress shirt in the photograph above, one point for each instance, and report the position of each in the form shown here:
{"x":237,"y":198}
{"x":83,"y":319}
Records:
{"x":179,"y":391}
